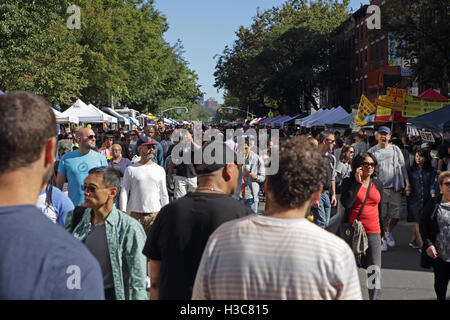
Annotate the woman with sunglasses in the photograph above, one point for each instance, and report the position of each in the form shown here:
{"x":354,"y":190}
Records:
{"x":435,"y":231}
{"x":422,"y":178}
{"x":353,"y":194}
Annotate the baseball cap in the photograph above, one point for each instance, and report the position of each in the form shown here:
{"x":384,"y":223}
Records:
{"x":384,"y":130}
{"x":145,"y":141}
{"x":211,"y":150}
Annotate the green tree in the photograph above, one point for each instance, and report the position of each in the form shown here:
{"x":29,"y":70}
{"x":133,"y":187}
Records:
{"x":422,"y":31}
{"x":285,"y":54}
{"x":37,"y":51}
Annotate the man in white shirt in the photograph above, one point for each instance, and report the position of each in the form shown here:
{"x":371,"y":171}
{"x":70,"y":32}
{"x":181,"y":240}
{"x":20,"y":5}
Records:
{"x":144,"y":190}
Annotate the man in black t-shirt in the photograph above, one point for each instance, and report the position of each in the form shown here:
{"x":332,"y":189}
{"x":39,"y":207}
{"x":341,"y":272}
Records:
{"x":179,"y":234}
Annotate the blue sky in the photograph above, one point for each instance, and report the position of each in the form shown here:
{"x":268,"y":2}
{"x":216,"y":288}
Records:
{"x":205,"y":27}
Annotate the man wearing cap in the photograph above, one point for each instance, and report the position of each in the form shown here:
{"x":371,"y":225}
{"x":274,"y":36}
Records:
{"x":182,"y":228}
{"x":144,"y":190}
{"x":391,"y":167}
{"x":158,"y":157}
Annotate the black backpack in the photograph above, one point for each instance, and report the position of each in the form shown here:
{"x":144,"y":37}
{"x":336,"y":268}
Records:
{"x":77,"y":215}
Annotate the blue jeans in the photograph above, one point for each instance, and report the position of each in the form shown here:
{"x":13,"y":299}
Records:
{"x":250,"y":203}
{"x":322,"y":214}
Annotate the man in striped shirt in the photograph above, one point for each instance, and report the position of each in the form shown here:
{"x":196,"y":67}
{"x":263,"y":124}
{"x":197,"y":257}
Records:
{"x":280,"y":254}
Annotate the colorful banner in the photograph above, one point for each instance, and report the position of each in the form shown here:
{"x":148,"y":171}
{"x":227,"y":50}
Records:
{"x":416,"y":106}
{"x":383,"y":114}
{"x":365,"y":109}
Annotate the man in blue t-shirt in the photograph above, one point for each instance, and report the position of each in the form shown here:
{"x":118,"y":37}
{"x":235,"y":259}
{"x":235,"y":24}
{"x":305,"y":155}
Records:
{"x":75,"y":165}
{"x":38,"y":259}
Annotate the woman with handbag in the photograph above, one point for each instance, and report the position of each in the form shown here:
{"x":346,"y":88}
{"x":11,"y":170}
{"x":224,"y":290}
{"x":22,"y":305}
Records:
{"x":435,"y":231}
{"x":361,"y":198}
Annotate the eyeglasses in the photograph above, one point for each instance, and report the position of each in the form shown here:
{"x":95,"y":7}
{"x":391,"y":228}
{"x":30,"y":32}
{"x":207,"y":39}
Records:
{"x":133,"y":134}
{"x":150,"y":147}
{"x":447,"y":184}
{"x":330,"y":141}
{"x":92,"y":136}
{"x":351,"y":151}
{"x":367,"y":164}
{"x":114,"y":150}
{"x":70,"y":138}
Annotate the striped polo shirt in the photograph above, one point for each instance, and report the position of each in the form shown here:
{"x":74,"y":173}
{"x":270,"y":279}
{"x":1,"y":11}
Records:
{"x":259,"y":257}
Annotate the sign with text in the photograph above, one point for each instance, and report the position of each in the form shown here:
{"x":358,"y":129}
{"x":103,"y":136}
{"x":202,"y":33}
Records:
{"x":365,"y":108}
{"x":416,"y":106}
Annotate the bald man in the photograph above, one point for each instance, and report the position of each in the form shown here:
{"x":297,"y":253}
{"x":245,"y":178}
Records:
{"x":75,"y":165}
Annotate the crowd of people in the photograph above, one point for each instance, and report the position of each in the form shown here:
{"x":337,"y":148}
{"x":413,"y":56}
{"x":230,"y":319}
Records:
{"x":89,"y":214}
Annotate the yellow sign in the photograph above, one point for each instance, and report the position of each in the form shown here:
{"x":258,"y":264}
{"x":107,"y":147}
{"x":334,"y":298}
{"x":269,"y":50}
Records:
{"x":383,"y":112}
{"x":416,"y":106}
{"x":396,"y":95}
{"x":385,"y":103}
{"x":365,"y":109}
{"x":270,"y":114}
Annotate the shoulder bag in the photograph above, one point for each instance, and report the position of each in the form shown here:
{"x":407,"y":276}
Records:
{"x":346,"y":230}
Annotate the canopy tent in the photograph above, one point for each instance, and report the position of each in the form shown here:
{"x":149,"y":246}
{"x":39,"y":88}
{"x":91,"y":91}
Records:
{"x":434,"y":120}
{"x":270,"y":121}
{"x":257,"y":121}
{"x":432,"y":94}
{"x":61,"y":118}
{"x":173,"y":122}
{"x":281,"y":122}
{"x":312,"y":116}
{"x":314,"y":121}
{"x":343,"y":122}
{"x":337,"y":114}
{"x":147,"y":119}
{"x":113,"y":113}
{"x":133,"y":121}
{"x":264,"y":121}
{"x":88,"y":113}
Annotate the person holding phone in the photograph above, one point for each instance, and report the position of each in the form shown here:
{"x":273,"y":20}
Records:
{"x":353,"y":194}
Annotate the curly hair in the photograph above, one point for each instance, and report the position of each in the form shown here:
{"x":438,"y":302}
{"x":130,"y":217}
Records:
{"x":302,"y":171}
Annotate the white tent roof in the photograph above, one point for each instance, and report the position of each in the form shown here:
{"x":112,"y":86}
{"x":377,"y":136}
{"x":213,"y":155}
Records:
{"x":113,"y":113}
{"x":88,"y":113}
{"x":61,"y":118}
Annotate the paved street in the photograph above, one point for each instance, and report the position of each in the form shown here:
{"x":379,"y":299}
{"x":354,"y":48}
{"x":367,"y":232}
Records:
{"x":402,"y":277}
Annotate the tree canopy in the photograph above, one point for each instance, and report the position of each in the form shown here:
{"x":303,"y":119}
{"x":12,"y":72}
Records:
{"x":119,"y":52}
{"x":422,"y":31}
{"x":284,"y":57}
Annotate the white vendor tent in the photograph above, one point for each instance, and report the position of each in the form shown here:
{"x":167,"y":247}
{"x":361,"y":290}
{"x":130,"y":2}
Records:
{"x":61,"y":118}
{"x":88,"y":113}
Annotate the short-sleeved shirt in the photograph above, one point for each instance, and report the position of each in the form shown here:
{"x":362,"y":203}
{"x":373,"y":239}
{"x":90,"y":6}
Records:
{"x":41,"y":261}
{"x":385,"y":159}
{"x":59,"y":207}
{"x":180,"y":233}
{"x":121,"y":165}
{"x":75,"y":166}
{"x":261,"y":257}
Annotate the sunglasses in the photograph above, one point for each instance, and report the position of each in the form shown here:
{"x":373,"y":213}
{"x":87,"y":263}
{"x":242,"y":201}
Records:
{"x":367,"y":164}
{"x":330,"y":141}
{"x":91,"y":189}
{"x":351,"y":151}
{"x":447,"y":184}
{"x":92,"y":136}
{"x":70,"y":138}
{"x":133,"y":134}
{"x":149,"y":147}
